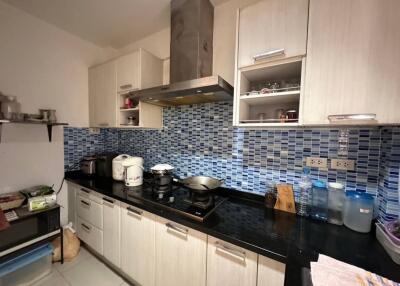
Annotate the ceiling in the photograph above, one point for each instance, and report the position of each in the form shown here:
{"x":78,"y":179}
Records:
{"x":106,"y":23}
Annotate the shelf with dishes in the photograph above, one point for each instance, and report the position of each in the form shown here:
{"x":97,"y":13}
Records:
{"x":134,"y":114}
{"x":269,"y":95}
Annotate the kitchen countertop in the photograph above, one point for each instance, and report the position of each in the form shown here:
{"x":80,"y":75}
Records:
{"x":243,"y":220}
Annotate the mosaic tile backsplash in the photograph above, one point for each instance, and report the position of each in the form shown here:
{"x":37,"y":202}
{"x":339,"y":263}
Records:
{"x":200,"y":140}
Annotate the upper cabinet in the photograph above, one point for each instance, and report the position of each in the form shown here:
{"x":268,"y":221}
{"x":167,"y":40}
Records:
{"x":272,"y":29}
{"x":109,"y":87}
{"x":353,"y":61}
{"x":102,"y":95}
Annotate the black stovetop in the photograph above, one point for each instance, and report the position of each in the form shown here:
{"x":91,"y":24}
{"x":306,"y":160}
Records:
{"x":177,"y":200}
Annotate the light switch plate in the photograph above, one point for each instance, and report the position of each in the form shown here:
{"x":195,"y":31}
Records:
{"x":343,"y":164}
{"x":316,"y":162}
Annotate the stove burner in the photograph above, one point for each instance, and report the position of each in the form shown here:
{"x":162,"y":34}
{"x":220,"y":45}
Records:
{"x":161,"y":184}
{"x":203,"y":201}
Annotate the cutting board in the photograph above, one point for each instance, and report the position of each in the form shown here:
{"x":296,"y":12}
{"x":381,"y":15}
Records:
{"x":285,"y":200}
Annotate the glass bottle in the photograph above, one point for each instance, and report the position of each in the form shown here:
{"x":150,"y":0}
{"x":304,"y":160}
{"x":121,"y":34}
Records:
{"x":270,"y":195}
{"x":305,"y":185}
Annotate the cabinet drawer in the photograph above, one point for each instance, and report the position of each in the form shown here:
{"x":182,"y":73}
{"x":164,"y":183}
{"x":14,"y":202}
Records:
{"x":90,"y":211}
{"x":91,"y":235}
{"x":92,"y":195}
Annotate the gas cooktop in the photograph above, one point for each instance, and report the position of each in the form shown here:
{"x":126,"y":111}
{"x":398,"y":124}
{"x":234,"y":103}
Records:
{"x":180,"y":200}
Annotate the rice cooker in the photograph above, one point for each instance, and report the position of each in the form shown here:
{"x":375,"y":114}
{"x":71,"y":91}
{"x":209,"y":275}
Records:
{"x":117,"y":168}
{"x":133,"y":171}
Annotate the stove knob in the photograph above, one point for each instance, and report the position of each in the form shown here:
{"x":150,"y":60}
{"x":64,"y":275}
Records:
{"x":161,"y":196}
{"x":171,"y":199}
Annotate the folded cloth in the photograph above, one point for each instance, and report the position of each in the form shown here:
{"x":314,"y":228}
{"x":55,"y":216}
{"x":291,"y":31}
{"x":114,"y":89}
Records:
{"x":3,"y":221}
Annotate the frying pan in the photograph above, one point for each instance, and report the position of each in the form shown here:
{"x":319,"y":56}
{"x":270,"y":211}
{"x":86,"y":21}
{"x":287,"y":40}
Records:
{"x":201,"y":184}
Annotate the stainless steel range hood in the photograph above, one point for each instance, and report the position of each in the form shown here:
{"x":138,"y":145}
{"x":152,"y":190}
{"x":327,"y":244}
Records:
{"x":191,"y":77}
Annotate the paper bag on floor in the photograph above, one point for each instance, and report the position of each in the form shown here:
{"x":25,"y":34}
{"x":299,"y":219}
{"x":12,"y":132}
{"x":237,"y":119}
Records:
{"x":71,"y":245}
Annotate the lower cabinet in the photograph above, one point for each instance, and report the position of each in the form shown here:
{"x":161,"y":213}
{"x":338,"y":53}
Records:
{"x":180,"y":255}
{"x":270,"y":272}
{"x":90,"y":234}
{"x":138,"y":253}
{"x":112,"y":231}
{"x":229,"y":264}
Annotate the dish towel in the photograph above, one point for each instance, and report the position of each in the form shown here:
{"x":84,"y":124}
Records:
{"x":331,"y":272}
{"x":3,"y":221}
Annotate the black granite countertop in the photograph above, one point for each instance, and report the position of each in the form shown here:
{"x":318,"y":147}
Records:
{"x":243,"y":220}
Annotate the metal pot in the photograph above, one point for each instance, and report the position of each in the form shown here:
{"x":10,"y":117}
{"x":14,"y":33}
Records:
{"x":162,"y":174}
{"x":201,"y":184}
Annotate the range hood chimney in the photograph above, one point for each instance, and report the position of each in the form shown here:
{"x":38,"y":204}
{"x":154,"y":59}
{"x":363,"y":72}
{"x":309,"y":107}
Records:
{"x":191,"y":80}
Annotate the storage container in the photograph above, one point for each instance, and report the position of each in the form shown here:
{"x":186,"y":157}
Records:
{"x":335,"y":203}
{"x":319,"y":201}
{"x":391,"y":248}
{"x":358,"y":211}
{"x":27,"y":268}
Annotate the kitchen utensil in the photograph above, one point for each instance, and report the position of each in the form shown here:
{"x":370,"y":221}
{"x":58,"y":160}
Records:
{"x":279,"y":112}
{"x":201,"y":184}
{"x":162,"y":175}
{"x":104,"y":164}
{"x":131,"y":120}
{"x":358,"y":211}
{"x":88,"y":165}
{"x":117,"y":168}
{"x":335,"y":203}
{"x":10,"y":107}
{"x":391,"y":248}
{"x":291,"y":114}
{"x":285,"y":199}
{"x":270,"y":195}
{"x":274,"y":86}
{"x":319,"y":201}
{"x":133,"y":171}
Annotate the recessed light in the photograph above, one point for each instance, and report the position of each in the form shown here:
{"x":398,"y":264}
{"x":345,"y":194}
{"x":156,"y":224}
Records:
{"x":199,"y":91}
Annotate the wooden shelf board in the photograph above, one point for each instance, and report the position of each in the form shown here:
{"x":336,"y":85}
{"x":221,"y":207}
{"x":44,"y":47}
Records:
{"x":283,"y":97}
{"x":129,"y":109}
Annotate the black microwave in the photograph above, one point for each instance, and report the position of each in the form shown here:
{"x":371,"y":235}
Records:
{"x":29,"y":229}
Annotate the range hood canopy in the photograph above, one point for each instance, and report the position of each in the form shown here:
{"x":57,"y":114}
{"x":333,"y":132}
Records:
{"x":191,"y":58}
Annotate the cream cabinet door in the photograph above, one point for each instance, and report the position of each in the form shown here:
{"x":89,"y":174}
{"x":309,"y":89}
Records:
{"x":272,"y":25}
{"x":102,"y":95}
{"x":229,"y":264}
{"x":181,"y":255}
{"x":270,"y":272}
{"x":112,"y":231}
{"x":138,"y":245}
{"x":128,"y":72}
{"x":353,"y":60}
{"x":72,"y":194}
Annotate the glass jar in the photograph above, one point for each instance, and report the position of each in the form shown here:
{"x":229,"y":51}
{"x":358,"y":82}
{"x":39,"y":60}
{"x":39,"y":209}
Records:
{"x":335,"y":203}
{"x":319,"y":201}
{"x":270,"y":195}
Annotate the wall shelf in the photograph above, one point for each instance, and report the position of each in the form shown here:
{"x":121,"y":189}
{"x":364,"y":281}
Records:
{"x":48,"y":124}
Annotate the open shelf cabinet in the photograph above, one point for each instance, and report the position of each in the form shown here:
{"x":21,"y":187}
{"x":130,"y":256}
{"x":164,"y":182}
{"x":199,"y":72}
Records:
{"x":269,"y":94}
{"x":48,"y":124}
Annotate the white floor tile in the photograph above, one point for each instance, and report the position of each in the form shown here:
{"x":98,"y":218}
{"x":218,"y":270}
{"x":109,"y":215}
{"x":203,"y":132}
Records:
{"x":91,"y":272}
{"x":83,"y":255}
{"x":52,"y":279}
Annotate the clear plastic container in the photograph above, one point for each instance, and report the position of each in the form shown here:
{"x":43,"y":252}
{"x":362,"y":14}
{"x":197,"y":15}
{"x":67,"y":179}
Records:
{"x":335,"y":203}
{"x":27,"y":268}
{"x":305,"y":186}
{"x":391,"y":248}
{"x":319,"y":201}
{"x":358,"y":211}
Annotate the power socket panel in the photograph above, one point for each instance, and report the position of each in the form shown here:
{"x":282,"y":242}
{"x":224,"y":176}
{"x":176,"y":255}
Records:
{"x":343,"y":164}
{"x":316,"y":162}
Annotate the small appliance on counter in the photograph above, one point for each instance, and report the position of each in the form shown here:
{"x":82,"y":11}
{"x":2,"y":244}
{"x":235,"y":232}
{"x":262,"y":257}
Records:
{"x":40,"y":197}
{"x":104,"y":164}
{"x":88,"y":165}
{"x":117,"y":168}
{"x":162,"y":177}
{"x":133,"y":171}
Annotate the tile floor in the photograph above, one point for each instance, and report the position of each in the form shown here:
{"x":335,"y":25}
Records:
{"x":85,"y":269}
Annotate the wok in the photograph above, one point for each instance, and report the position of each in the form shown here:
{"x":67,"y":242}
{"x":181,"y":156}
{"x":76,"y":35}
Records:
{"x":201,"y":184}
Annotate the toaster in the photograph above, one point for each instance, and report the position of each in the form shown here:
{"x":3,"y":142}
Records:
{"x":88,"y":165}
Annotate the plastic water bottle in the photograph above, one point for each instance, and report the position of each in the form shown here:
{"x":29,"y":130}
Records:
{"x":305,"y":192}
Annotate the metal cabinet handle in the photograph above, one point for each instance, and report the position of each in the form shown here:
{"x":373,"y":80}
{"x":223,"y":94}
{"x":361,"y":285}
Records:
{"x":356,"y":116}
{"x":176,"y":228}
{"x":268,"y":54}
{"x":109,"y":201}
{"x":134,"y":213}
{"x":235,"y":253}
{"x":103,"y":124}
{"x":84,"y":190}
{"x":125,"y":86}
{"x":85,"y":203}
{"x":85,"y":227}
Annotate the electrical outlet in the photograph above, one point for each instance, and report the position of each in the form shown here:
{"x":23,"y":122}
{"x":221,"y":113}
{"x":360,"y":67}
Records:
{"x":342,"y":164}
{"x":321,"y":163}
{"x":94,"y":131}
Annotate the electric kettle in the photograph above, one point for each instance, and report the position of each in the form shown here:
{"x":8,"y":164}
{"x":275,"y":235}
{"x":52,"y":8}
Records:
{"x":117,"y":168}
{"x":133,"y":171}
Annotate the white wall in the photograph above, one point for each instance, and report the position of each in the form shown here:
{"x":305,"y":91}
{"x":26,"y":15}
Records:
{"x":44,"y":67}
